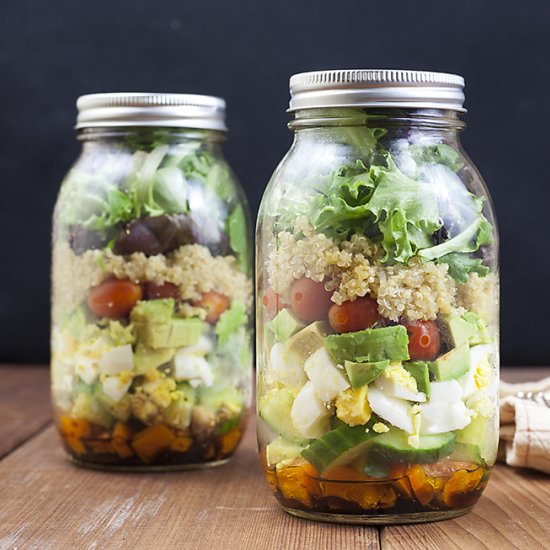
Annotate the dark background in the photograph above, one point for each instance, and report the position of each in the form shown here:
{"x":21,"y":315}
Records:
{"x":52,"y":51}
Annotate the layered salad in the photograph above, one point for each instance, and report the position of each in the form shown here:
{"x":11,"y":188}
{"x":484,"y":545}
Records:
{"x":378,"y":357}
{"x":151,"y":337}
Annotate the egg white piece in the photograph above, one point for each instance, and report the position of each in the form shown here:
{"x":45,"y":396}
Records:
{"x":441,"y":417}
{"x":309,"y":414}
{"x":479,"y":357}
{"x":397,"y":412}
{"x":394,"y":389}
{"x":194,"y":368}
{"x":115,"y":387}
{"x":327,"y":379}
{"x":445,"y":392}
{"x":286,"y":367}
{"x":117,"y":360}
{"x":86,"y":369}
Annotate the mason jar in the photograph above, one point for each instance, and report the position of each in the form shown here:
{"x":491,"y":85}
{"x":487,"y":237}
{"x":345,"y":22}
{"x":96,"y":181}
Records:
{"x":377,"y":293}
{"x":152,"y":292}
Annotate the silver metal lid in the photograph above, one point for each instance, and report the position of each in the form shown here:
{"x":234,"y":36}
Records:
{"x":203,"y":112}
{"x":376,"y":88}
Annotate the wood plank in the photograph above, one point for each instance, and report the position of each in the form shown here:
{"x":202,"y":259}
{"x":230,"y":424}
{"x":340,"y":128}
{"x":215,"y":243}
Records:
{"x":24,"y":404}
{"x":512,"y":513}
{"x":524,"y":374}
{"x":49,"y":503}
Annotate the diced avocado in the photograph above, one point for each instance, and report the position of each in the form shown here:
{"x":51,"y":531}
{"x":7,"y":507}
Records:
{"x":276,"y":413}
{"x":482,"y":433}
{"x":285,"y":325}
{"x":280,"y":449}
{"x":308,"y":340}
{"x":458,"y":331}
{"x":393,"y":446}
{"x":88,"y":407}
{"x":371,"y":345}
{"x":153,"y":311}
{"x":146,"y":358}
{"x":174,"y":334}
{"x":178,"y":413}
{"x":420,"y":371}
{"x":453,"y":364}
{"x":481,"y":335}
{"x":360,"y":374}
{"x":338,"y":447}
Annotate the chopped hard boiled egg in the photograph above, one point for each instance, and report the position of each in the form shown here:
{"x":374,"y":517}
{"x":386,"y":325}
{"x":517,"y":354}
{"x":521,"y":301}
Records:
{"x":397,"y":412}
{"x":327,"y":379}
{"x":192,"y":367}
{"x":442,"y":417}
{"x":117,"y":360}
{"x":286,"y":367}
{"x":352,"y":406}
{"x":86,"y":368}
{"x":309,"y":414}
{"x":480,"y":374}
{"x":445,"y":392}
{"x":115,"y":387}
{"x":396,"y":381}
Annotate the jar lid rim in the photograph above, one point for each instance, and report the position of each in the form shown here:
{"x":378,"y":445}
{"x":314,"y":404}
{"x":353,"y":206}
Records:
{"x":376,"y":88}
{"x":121,"y":109}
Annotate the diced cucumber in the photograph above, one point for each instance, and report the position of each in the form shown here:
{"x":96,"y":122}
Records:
{"x":465,"y":452}
{"x":338,"y":447}
{"x":481,"y":432}
{"x":276,"y":413}
{"x":373,"y":344}
{"x":360,"y":374}
{"x":420,"y":371}
{"x":88,"y":407}
{"x":393,"y":446}
{"x":280,"y":449}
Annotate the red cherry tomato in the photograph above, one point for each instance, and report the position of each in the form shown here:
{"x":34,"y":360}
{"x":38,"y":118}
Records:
{"x":424,"y":340}
{"x":215,"y":304}
{"x":353,"y":316}
{"x":272,"y":303}
{"x":152,"y":291}
{"x":114,"y":298}
{"x":309,"y":300}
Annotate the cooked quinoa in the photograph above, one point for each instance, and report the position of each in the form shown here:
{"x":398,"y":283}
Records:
{"x":191,"y":267}
{"x":480,"y":295}
{"x":418,"y":291}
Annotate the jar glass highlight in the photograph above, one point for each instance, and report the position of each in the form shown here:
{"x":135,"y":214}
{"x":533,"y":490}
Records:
{"x":151,"y":306}
{"x":377,"y":327}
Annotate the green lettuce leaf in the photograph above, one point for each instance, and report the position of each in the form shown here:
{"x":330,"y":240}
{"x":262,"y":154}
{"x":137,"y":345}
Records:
{"x":439,"y":153}
{"x":237,"y":232}
{"x":230,"y":322}
{"x":461,"y":264}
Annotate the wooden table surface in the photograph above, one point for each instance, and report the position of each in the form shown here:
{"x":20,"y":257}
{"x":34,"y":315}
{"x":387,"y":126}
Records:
{"x":47,"y":503}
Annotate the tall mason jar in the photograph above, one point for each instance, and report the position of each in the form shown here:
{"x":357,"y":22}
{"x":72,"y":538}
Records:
{"x":152,"y":293}
{"x":377,"y":293}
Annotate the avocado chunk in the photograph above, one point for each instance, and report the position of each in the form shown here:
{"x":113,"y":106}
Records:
{"x":338,"y":447}
{"x":453,"y":364}
{"x":457,"y":330}
{"x":482,"y":433}
{"x":276,"y":413}
{"x":370,"y":345}
{"x":280,"y":449}
{"x":308,"y":340}
{"x":285,"y":325}
{"x":481,"y":335}
{"x":420,"y":371}
{"x":360,"y":374}
{"x":146,"y":358}
{"x":393,"y":446}
{"x":153,"y":311}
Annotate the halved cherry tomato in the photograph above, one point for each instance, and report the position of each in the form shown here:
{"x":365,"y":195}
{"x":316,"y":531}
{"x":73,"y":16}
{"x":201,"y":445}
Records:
{"x":424,"y":340}
{"x":114,"y":298}
{"x":309,"y":299}
{"x":215,"y":304}
{"x":272,"y":303}
{"x":353,"y":316}
{"x":152,"y":291}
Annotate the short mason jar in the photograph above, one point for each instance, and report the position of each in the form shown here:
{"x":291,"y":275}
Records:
{"x":152,"y":293}
{"x":377,"y":293}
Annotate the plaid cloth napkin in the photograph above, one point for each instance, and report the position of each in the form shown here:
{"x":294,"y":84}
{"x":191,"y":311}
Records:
{"x":524,"y":427}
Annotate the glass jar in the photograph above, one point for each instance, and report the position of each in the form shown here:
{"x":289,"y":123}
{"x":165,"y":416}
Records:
{"x":152,"y":292}
{"x":377,"y":293}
